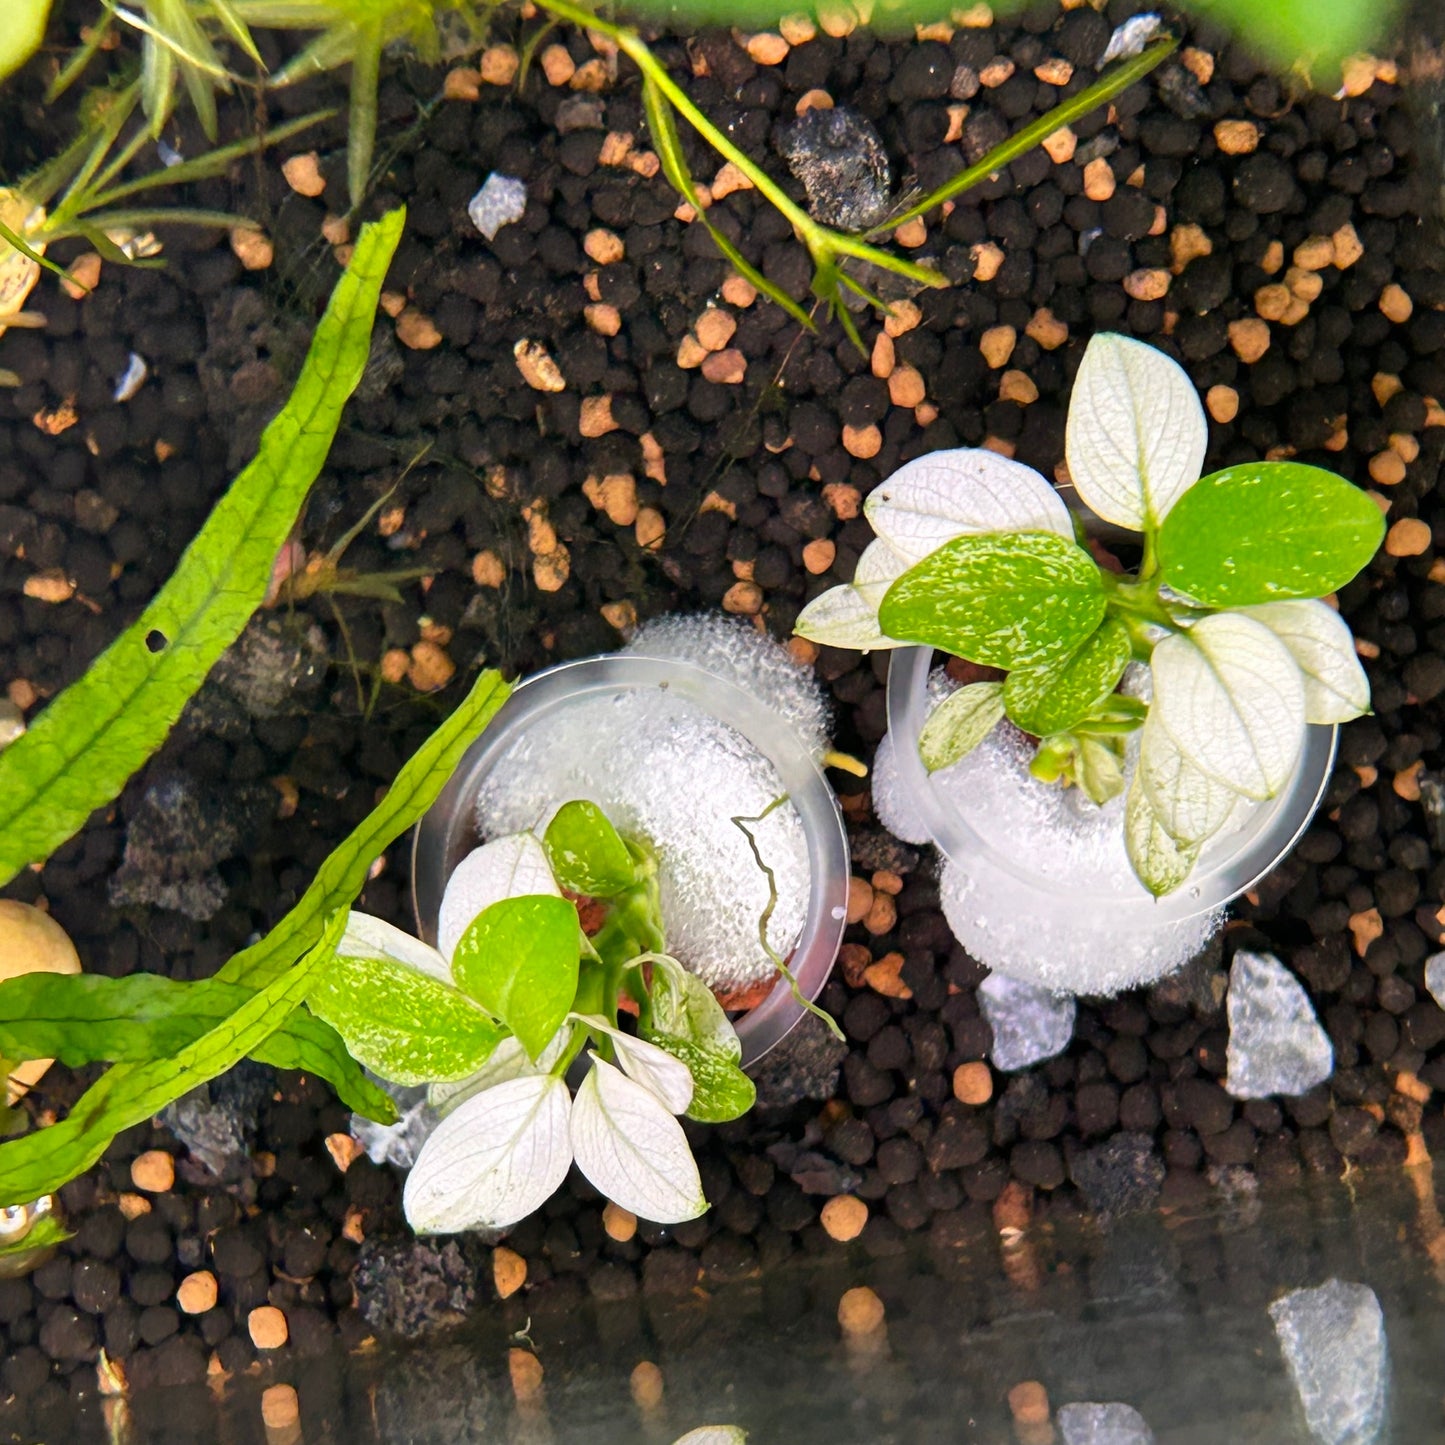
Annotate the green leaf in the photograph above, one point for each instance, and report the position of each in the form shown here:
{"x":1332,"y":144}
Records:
{"x":519,"y":961}
{"x":1098,"y":769}
{"x":22,"y":32}
{"x":684,"y":1007}
{"x":80,"y":751}
{"x":39,"y":1163}
{"x":1160,"y":863}
{"x":720,"y":1090}
{"x":587,"y":853}
{"x":1266,"y":532}
{"x":959,"y":724}
{"x":86,"y":1018}
{"x":1005,"y":599}
{"x":407,"y":1027}
{"x":1053,"y":697}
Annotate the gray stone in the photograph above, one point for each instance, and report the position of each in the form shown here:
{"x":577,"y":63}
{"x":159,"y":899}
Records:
{"x":841,"y":161}
{"x":1122,"y":1176}
{"x":1029,"y":1024}
{"x":398,"y":1143}
{"x":501,"y":200}
{"x":217,"y":1121}
{"x":1276,"y":1044}
{"x":1333,"y":1339}
{"x":1131,"y":37}
{"x":1112,"y":1424}
{"x":276,"y":666}
{"x":414,"y":1287}
{"x":1435,"y":977}
{"x":804,"y":1066}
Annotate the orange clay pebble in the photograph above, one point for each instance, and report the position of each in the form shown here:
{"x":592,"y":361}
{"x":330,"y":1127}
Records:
{"x":620,"y":1223}
{"x":987,"y":258}
{"x":604,"y":319}
{"x":883,"y":914}
{"x":860,"y":1311}
{"x":1409,"y":537}
{"x":509,"y":1271}
{"x":973,"y":1083}
{"x":1028,"y":1402}
{"x":267,"y":1327}
{"x":906,"y":388}
{"x":1018,"y":386}
{"x":729,"y":179}
{"x":843,"y":1218}
{"x":252,"y":248}
{"x":1345,"y":247}
{"x":303,"y":173}
{"x":860,"y":899}
{"x":1236,"y":137}
{"x":621,"y":615}
{"x":1387,"y":468}
{"x":154,"y":1171}
{"x":1098,"y":180}
{"x":743,"y":599}
{"x":558,"y":65}
{"x":1366,"y":927}
{"x":417,"y":331}
{"x":526,"y":1372}
{"x":997,"y":345}
{"x":499,"y":65}
{"x":883,"y":357}
{"x":651,"y":528}
{"x":797,"y":29}
{"x":1055,"y":71}
{"x":1046,"y":329}
{"x":1396,"y":304}
{"x":714,"y":328}
{"x":430,"y":668}
{"x":844,"y":500}
{"x":725,"y":368}
{"x":280,"y":1408}
{"x":1250,"y":338}
{"x":646,"y":1385}
{"x":862,"y":442}
{"x":739,"y":291}
{"x":1223,"y":403}
{"x":1314,"y":254}
{"x":911,"y":234}
{"x":1187,"y":243}
{"x":603,"y":246}
{"x":813,"y":100}
{"x":1060,"y":146}
{"x":197,"y":1292}
{"x":886,"y":976}
{"x":596,"y":419}
{"x":768,"y":49}
{"x":1149,"y":283}
{"x":818,"y":556}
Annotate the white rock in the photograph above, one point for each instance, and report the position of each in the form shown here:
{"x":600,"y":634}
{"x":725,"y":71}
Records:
{"x":501,"y":200}
{"x":1112,"y":1424}
{"x":1131,"y":37}
{"x":1435,"y":977}
{"x":401,"y":1142}
{"x":1333,"y":1339}
{"x":1276,"y":1044}
{"x":1028,"y":1023}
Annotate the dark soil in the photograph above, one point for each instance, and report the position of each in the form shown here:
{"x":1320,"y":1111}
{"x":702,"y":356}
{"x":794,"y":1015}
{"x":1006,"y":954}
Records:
{"x":228,"y":824}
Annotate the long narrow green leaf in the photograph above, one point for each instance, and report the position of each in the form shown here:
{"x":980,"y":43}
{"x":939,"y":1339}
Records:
{"x":15,"y":239}
{"x":674,"y":164}
{"x":79,"y":753}
{"x":88,"y":1018}
{"x":42,"y":1161}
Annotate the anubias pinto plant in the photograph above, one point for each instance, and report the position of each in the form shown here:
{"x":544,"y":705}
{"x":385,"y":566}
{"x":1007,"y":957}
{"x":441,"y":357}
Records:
{"x":496,"y":1016}
{"x":976,"y":554}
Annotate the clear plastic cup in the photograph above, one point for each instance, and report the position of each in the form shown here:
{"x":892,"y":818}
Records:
{"x":449,"y":831}
{"x":1069,"y":910}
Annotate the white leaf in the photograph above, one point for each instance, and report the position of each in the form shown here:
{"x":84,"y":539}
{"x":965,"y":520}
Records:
{"x":879,"y":567}
{"x":714,"y":1435}
{"x":935,"y":498}
{"x":1189,"y":806}
{"x":507,"y":1061}
{"x":632,"y":1149}
{"x":1160,"y":863}
{"x":492,"y":1161}
{"x":368,"y":937}
{"x":1320,"y":641}
{"x":657,"y":1071}
{"x":1230,"y":696}
{"x":510,"y":867}
{"x":840,"y":617}
{"x":684,"y":1007}
{"x":1136,"y":433}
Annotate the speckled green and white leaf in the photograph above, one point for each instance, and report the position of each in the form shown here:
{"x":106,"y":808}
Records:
{"x":1320,"y":641}
{"x":370,"y":937}
{"x":684,"y":1007}
{"x":507,"y":1061}
{"x":632,"y":1150}
{"x":493,"y":1160}
{"x":720,"y":1090}
{"x":1189,"y":805}
{"x":714,"y":1435}
{"x":935,"y":498}
{"x":656,"y":1070}
{"x":1159,"y":863}
{"x":959,"y":724}
{"x":509,"y":867}
{"x":1136,"y":433}
{"x":1230,"y":696}
{"x":401,"y":1024}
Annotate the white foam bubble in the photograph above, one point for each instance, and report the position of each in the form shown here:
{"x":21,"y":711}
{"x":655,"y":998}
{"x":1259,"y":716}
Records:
{"x":661,"y":767}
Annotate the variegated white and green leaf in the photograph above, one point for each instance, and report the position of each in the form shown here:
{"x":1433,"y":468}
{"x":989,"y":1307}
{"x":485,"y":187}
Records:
{"x":1320,"y":641}
{"x":1160,"y":863}
{"x":510,"y":867}
{"x":1190,"y":806}
{"x":656,"y":1070}
{"x":959,"y":724}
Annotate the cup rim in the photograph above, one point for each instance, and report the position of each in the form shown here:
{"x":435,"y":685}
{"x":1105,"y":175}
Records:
{"x":1282,"y":819}
{"x":448,"y":830}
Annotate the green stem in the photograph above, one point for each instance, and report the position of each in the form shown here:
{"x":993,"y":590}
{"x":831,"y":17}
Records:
{"x":1038,"y":131}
